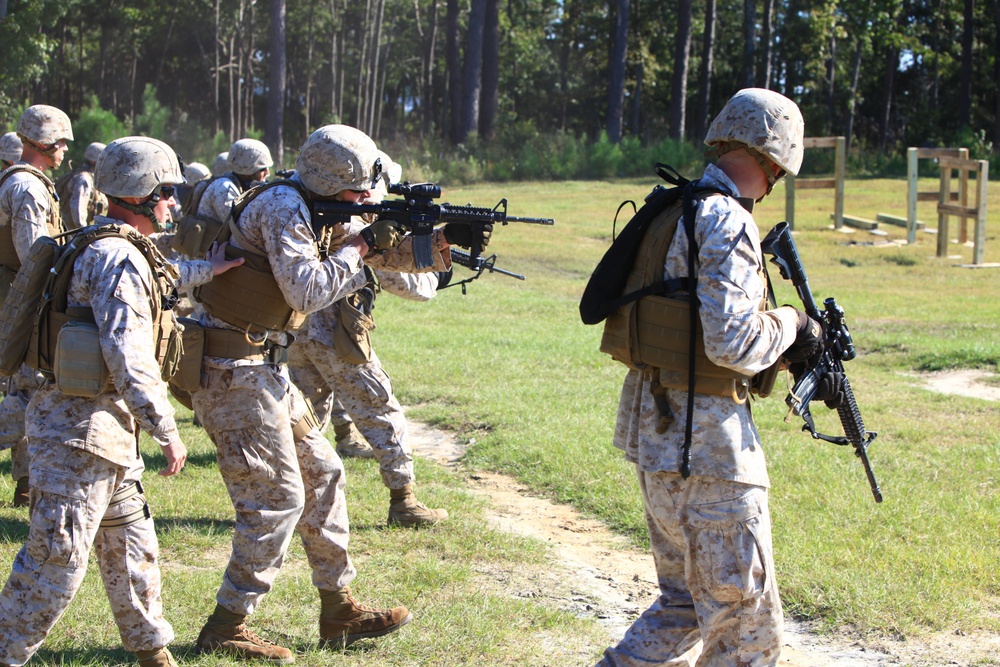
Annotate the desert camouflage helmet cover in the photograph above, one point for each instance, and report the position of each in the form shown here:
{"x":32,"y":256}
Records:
{"x":10,"y":147}
{"x":135,"y":167}
{"x":248,"y":156}
{"x":336,"y":158}
{"x":392,"y":172}
{"x":765,"y":121}
{"x":194,"y":172}
{"x":93,"y":151}
{"x":221,"y":164}
{"x":44,"y":125}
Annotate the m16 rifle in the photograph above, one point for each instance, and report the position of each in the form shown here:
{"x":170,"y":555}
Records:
{"x":418,"y":213}
{"x":479,"y":265}
{"x":838,"y":348}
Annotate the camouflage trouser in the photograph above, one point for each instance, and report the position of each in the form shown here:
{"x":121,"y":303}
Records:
{"x":277,"y":485}
{"x":19,"y":389}
{"x":365,"y":392}
{"x":718,"y":602}
{"x":310,"y":382}
{"x":70,"y":493}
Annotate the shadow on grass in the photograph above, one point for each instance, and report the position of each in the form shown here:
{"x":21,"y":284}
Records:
{"x":157,"y":462}
{"x":165,"y":526}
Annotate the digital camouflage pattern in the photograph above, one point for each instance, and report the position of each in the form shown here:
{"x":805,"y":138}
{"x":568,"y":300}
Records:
{"x":82,"y":451}
{"x":364,"y":391}
{"x":335,"y":158}
{"x":765,"y":121}
{"x":10,"y":147}
{"x":44,"y":125}
{"x":702,"y":529}
{"x":84,"y":201}
{"x":218,"y":198}
{"x":135,"y":167}
{"x":248,"y":156}
{"x":28,"y":206}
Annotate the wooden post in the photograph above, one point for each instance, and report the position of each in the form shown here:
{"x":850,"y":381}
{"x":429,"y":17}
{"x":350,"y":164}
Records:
{"x":960,"y":207}
{"x":840,"y":172}
{"x":943,"y":216}
{"x":982,"y":180}
{"x":911,"y":195}
{"x":790,"y":201}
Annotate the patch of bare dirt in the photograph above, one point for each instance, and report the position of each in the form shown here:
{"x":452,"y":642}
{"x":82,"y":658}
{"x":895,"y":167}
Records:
{"x":599,"y":575}
{"x":963,"y":382}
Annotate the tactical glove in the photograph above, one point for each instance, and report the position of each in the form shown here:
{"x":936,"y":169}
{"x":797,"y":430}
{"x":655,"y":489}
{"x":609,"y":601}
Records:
{"x":382,"y":235}
{"x":466,"y":235}
{"x":830,"y":390}
{"x":808,"y":339}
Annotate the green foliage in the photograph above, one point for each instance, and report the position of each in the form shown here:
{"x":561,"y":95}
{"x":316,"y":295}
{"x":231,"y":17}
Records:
{"x":94,"y":124}
{"x":155,"y":118}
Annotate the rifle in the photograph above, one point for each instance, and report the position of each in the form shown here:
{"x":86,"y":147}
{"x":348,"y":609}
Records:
{"x":477,"y":264}
{"x":418,"y":213}
{"x":838,"y":348}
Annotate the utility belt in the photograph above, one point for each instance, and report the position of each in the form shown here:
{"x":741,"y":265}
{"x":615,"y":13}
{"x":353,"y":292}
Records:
{"x":127,"y":492}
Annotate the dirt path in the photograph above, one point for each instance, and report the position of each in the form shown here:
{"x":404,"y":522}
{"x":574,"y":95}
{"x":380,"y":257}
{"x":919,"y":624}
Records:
{"x":599,"y":575}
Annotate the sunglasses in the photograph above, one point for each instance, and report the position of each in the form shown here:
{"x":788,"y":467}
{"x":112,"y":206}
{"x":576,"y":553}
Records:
{"x":164,"y":192}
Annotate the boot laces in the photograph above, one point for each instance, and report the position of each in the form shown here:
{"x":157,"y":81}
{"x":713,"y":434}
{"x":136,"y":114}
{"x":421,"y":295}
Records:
{"x":249,"y":635}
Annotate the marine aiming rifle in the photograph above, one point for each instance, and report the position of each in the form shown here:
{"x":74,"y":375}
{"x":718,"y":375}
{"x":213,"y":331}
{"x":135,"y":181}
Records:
{"x":418,"y":213}
{"x":479,"y":265}
{"x":838,"y":348}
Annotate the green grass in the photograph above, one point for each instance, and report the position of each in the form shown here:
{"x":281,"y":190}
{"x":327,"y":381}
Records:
{"x":511,"y":366}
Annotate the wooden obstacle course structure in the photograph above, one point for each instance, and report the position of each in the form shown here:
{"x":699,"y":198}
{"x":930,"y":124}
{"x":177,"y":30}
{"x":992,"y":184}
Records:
{"x":913,"y":155}
{"x":946,"y":208}
{"x":837,"y":182}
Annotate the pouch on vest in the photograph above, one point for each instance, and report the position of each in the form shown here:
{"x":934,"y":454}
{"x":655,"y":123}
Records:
{"x":195,"y":234}
{"x":79,"y":366}
{"x":188,"y":375}
{"x":17,"y":319}
{"x":352,"y":337}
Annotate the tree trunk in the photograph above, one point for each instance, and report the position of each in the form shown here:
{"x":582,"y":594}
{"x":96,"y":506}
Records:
{"x":489,"y":98}
{"x":616,"y":71}
{"x":831,"y":85}
{"x":454,"y":67}
{"x":766,"y":46}
{"x":888,"y":81}
{"x":707,"y":67}
{"x":428,"y":108}
{"x":965,"y":76}
{"x":749,"y":41}
{"x":273,"y":135}
{"x":853,"y":102}
{"x":682,"y":50}
{"x":472,"y":69}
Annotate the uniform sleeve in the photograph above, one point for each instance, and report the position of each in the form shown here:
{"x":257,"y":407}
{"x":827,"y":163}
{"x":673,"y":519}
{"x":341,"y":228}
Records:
{"x":307,"y":283}
{"x":738,"y":334}
{"x":79,"y":199}
{"x":29,"y":215}
{"x":413,"y":286}
{"x":192,"y":273}
{"x":401,"y":257}
{"x":121,"y":305}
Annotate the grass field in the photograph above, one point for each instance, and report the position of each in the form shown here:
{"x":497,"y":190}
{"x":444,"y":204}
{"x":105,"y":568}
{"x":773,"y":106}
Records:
{"x":511,"y":366}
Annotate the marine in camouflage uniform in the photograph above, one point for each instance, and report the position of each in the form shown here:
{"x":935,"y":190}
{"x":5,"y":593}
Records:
{"x":249,"y":163}
{"x":84,"y":201}
{"x":711,"y":533}
{"x":85,"y":462}
{"x":361,"y":395}
{"x":28,"y":211}
{"x":282,"y":474}
{"x":10,"y":149}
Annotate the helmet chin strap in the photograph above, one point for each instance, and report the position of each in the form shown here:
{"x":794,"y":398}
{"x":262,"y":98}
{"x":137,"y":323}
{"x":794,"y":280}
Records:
{"x":145,"y":209}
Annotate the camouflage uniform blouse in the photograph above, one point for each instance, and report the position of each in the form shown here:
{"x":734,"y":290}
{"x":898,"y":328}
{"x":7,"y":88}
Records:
{"x":738,"y":335}
{"x":25,"y":205}
{"x":218,"y":198}
{"x":113,"y":278}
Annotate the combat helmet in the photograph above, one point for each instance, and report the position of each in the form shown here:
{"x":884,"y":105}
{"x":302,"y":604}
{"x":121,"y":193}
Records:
{"x":221,"y":164}
{"x":44,"y":125}
{"x":194,"y":172}
{"x":336,"y":158}
{"x":137,"y":167}
{"x":10,"y":147}
{"x":767,"y":123}
{"x":93,"y":152}
{"x":248,"y":156}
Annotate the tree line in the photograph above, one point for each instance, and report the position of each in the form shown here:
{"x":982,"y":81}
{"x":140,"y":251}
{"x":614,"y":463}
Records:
{"x":445,"y":73}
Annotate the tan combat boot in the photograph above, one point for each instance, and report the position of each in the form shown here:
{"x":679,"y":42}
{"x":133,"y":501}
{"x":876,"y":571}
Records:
{"x":405,"y":510}
{"x":225,"y":632}
{"x":22,"y":493}
{"x":160,"y":657}
{"x":350,"y":442}
{"x":343,"y":621}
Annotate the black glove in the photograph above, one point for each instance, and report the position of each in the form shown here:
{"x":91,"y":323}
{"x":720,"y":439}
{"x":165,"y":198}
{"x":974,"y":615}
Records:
{"x":466,"y":235}
{"x":382,"y":235}
{"x":830,"y":390}
{"x":808,"y":339}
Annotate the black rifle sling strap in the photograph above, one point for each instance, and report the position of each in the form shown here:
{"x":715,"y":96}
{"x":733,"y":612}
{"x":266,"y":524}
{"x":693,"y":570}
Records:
{"x":693,"y":193}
